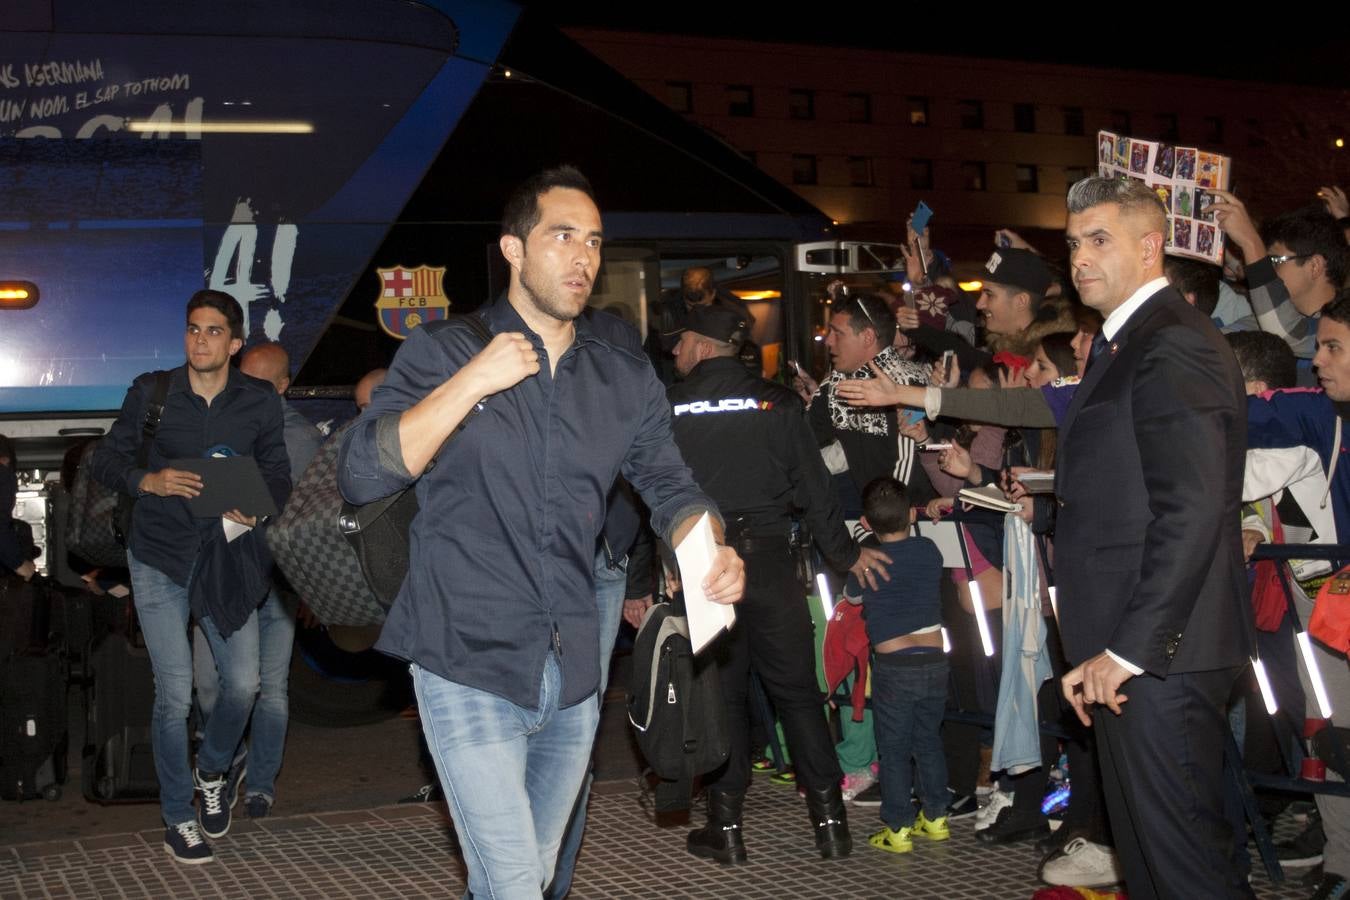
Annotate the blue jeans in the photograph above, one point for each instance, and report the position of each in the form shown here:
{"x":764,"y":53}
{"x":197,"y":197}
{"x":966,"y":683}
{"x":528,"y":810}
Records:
{"x":511,"y":775}
{"x":267,"y":739}
{"x":610,"y":586}
{"x":162,"y":607}
{"x":909,"y":695}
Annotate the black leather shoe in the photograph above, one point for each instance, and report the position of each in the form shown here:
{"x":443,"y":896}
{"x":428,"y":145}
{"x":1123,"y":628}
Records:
{"x":1013,"y":825}
{"x":1055,"y":841}
{"x":721,"y":838}
{"x":830,"y":821}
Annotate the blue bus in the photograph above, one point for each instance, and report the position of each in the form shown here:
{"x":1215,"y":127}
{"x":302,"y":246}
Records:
{"x":338,"y":166}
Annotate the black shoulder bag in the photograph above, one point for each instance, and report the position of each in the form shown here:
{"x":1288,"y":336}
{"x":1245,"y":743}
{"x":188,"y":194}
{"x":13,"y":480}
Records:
{"x":378,"y":531}
{"x":126,"y":503}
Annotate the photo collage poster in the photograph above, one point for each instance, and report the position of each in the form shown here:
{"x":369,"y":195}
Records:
{"x":1184,"y":179}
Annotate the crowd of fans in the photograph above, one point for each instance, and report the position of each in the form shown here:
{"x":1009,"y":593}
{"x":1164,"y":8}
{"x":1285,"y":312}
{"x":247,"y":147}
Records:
{"x":980,"y":385}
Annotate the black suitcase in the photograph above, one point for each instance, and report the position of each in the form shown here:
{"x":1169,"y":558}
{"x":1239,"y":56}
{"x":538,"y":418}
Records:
{"x":33,"y":731}
{"x":25,"y":615}
{"x":79,"y":620}
{"x":118,"y":763}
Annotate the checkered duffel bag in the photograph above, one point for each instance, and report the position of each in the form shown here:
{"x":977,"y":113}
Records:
{"x":312,"y":553}
{"x":92,"y":513}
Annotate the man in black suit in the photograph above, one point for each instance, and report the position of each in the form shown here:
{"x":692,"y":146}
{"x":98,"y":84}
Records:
{"x":1152,"y":596}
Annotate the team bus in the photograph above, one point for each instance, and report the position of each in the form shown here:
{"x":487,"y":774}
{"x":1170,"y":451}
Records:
{"x":338,"y":166}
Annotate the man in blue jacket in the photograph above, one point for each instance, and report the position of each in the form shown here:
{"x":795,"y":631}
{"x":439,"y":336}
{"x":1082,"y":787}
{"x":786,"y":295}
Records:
{"x":210,"y":409}
{"x":498,"y":613}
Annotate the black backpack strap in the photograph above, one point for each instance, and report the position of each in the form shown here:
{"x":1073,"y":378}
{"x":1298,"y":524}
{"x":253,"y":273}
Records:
{"x":354,"y":519}
{"x":153,"y":413}
{"x":474,"y":324}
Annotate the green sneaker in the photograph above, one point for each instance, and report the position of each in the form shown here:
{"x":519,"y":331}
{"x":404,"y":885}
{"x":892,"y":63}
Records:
{"x":763,"y":766}
{"x":893,"y":841}
{"x":786,"y":778}
{"x":934,"y":830}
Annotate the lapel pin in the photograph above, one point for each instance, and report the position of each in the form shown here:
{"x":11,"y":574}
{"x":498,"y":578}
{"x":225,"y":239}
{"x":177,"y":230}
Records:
{"x":1114,"y":347}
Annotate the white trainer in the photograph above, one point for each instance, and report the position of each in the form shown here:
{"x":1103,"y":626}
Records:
{"x":1083,"y":864}
{"x":998,"y":801}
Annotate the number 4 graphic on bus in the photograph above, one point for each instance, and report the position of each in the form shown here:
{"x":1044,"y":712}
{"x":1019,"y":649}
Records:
{"x":233,"y":269}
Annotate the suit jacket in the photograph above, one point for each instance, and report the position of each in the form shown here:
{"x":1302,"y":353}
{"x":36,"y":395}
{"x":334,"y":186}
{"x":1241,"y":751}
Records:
{"x":1148,"y":545}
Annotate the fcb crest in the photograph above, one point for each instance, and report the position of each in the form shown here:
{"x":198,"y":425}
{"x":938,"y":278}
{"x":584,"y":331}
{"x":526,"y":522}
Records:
{"x":410,"y":297}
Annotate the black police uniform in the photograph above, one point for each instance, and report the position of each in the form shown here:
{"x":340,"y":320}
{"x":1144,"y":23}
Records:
{"x":751,"y":449}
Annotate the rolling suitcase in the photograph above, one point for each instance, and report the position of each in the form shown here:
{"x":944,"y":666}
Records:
{"x":33,"y":730}
{"x":118,"y":763}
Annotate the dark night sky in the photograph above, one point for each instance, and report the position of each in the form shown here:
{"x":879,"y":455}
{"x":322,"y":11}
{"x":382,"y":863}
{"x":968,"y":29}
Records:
{"x":1317,"y":56}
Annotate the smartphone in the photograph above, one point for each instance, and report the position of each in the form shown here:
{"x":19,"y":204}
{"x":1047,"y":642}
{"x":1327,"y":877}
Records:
{"x":945,"y":367}
{"x":922,"y":213}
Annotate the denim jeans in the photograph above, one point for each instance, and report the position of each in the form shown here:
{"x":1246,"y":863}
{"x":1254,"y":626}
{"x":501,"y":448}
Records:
{"x":909,"y":695}
{"x":511,"y":775}
{"x":610,"y":586}
{"x":267,"y":736}
{"x":163,"y":611}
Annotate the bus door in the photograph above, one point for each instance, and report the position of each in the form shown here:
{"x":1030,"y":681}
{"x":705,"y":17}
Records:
{"x":820,"y":268}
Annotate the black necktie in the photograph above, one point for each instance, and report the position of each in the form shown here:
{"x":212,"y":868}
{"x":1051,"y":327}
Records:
{"x":1098,"y":348}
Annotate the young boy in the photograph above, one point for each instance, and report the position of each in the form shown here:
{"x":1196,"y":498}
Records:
{"x":909,"y":671}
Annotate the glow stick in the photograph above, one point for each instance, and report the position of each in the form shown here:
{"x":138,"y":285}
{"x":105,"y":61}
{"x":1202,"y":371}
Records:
{"x":977,"y":601}
{"x":1314,"y":673}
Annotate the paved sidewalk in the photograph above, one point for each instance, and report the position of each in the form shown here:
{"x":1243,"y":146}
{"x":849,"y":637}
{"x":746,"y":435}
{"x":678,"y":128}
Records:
{"x":409,"y":851}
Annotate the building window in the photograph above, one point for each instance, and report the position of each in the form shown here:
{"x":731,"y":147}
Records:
{"x":1254,"y":136}
{"x":971,"y":113}
{"x":680,"y":96}
{"x":859,"y":107}
{"x":972,"y":176}
{"x":1024,"y":117}
{"x":1213,"y":130}
{"x":1075,"y":174}
{"x":801,"y":104}
{"x":740,"y":100}
{"x":803,"y":168}
{"x":860,"y":171}
{"x":1120,"y":121}
{"x":1167,"y":127}
{"x":921,"y":174}
{"x":1027,"y":180}
{"x":1073,"y":120}
{"x":918,"y":110}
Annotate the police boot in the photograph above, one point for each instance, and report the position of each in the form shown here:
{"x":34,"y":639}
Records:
{"x":826,"y":808}
{"x":721,"y":838}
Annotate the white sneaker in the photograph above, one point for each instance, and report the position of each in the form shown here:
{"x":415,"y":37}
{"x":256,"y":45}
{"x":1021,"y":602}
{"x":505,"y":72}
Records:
{"x":1083,"y":864}
{"x":998,"y":801}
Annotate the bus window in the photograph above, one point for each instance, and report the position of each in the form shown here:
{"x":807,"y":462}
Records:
{"x":753,"y":280}
{"x":628,"y":285}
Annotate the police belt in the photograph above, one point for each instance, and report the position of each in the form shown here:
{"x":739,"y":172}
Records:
{"x":758,"y":541}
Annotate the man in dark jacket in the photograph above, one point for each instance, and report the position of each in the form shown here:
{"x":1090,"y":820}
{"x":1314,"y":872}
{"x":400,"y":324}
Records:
{"x":1148,"y":556}
{"x":498,"y":614}
{"x":751,"y":449}
{"x":12,"y":555}
{"x":210,"y":409}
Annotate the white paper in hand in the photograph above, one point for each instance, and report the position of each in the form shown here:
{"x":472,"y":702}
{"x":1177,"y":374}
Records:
{"x":234,"y":529}
{"x":695,"y":556}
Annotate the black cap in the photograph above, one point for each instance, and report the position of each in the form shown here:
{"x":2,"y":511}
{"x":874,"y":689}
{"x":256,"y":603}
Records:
{"x":719,"y":321}
{"x":1021,"y":269}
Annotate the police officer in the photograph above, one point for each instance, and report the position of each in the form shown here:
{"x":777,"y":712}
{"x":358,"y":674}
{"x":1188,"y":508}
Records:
{"x":751,"y":449}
